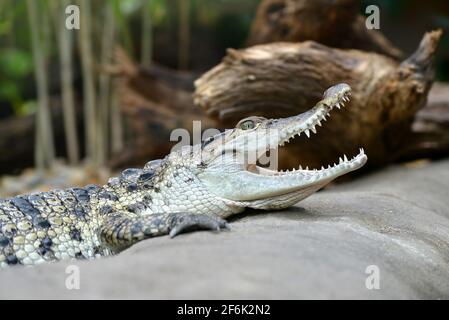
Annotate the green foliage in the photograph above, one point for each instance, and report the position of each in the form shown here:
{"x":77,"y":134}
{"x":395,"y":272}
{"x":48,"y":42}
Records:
{"x":15,"y":66}
{"x":15,"y":63}
{"x":122,"y":24}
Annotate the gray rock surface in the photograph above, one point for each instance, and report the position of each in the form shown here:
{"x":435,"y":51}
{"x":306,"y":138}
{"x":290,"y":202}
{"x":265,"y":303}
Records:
{"x":397,"y":219}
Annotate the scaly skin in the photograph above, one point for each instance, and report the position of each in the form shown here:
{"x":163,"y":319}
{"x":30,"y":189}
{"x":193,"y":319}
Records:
{"x":192,"y":188}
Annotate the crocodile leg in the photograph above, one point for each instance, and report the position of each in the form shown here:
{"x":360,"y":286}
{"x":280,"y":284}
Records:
{"x":122,"y":230}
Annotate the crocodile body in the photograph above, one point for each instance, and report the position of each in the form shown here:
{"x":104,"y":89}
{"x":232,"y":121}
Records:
{"x":196,"y":187}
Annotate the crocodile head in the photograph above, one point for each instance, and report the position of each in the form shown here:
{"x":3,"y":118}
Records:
{"x":230,"y":161}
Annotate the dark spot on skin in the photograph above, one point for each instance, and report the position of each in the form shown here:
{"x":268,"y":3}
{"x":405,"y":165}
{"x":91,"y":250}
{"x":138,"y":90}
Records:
{"x":81,"y":194}
{"x":12,"y":259}
{"x":147,"y":198}
{"x":131,"y":208}
{"x":106,"y":209}
{"x":4,"y":241}
{"x":136,"y":208}
{"x":168,"y":184}
{"x":157,"y":190}
{"x":32,"y":212}
{"x":79,"y":211}
{"x":202,"y":165}
{"x":108,"y":195}
{"x":79,"y":255}
{"x":42,"y":251}
{"x":92,"y":188}
{"x":41,"y":222}
{"x":132,"y":187}
{"x":46,"y":243}
{"x":130,"y":175}
{"x":145,"y":176}
{"x":189,"y":180}
{"x":136,"y":228}
{"x":75,"y":235}
{"x":20,"y":202}
{"x":147,"y":186}
{"x":24,"y":206}
{"x":46,"y":253}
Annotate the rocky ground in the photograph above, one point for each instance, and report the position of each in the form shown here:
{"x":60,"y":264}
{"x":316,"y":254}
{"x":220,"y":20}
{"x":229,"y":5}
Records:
{"x":396,"y":220}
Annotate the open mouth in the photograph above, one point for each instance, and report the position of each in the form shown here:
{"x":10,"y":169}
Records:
{"x":306,"y":123}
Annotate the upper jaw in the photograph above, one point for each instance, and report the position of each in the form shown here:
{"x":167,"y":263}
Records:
{"x":334,"y":97}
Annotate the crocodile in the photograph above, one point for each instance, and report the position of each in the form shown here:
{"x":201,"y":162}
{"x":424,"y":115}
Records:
{"x":193,"y":187}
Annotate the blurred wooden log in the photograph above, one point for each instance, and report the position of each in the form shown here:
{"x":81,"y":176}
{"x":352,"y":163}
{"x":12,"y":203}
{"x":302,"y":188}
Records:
{"x":283,"y":79}
{"x":17,"y":141}
{"x":333,"y":23}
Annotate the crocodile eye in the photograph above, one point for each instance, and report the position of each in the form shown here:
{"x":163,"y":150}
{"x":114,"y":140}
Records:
{"x":248,"y":124}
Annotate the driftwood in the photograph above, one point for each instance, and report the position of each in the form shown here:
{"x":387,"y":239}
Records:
{"x":283,"y":79}
{"x":333,"y":23}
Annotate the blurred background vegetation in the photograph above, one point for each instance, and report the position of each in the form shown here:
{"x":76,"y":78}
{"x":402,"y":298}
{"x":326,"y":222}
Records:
{"x":41,"y":61}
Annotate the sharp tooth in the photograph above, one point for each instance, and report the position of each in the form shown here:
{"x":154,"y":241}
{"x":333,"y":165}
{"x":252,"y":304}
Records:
{"x":322,"y":168}
{"x":313,"y":130}
{"x":328,"y":166}
{"x":318,"y":123}
{"x":340,"y":159}
{"x":338,"y":105}
{"x":307,"y":168}
{"x":307,"y":133}
{"x":300,"y":168}
{"x":346,"y":159}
